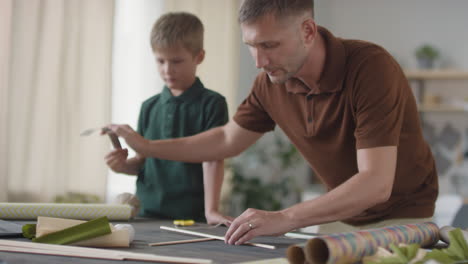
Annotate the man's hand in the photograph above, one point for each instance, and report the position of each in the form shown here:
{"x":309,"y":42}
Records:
{"x":117,"y":160}
{"x":214,"y":218}
{"x":253,"y":223}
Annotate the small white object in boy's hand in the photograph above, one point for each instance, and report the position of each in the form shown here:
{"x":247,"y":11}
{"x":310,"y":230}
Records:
{"x":90,"y":131}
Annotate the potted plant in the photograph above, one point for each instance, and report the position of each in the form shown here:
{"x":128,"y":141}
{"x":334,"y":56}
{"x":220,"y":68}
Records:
{"x":426,"y":55}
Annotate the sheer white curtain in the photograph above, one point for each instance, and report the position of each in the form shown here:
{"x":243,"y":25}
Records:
{"x":134,"y":74}
{"x":5,"y":28}
{"x":59,"y":83}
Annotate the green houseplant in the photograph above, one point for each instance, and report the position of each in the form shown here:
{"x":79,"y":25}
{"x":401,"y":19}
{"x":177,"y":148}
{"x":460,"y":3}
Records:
{"x":426,"y":55}
{"x":263,"y":177}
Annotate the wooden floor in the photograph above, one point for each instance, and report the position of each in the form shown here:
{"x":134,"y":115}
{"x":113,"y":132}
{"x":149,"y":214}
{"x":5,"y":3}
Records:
{"x":148,"y":231}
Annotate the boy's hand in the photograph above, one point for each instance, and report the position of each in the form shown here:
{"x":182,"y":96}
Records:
{"x":133,"y":139}
{"x":214,"y":218}
{"x":117,"y":160}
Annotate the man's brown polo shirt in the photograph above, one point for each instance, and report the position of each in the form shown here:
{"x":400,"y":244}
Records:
{"x":363,"y":100}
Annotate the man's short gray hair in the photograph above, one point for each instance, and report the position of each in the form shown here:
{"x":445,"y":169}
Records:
{"x":251,"y":10}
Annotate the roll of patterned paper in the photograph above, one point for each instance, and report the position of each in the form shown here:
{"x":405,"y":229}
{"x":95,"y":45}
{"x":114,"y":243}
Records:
{"x":27,"y":211}
{"x":353,"y":246}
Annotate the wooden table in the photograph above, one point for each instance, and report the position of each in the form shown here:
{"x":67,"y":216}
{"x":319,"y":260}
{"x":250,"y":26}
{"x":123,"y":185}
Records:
{"x":148,"y":231}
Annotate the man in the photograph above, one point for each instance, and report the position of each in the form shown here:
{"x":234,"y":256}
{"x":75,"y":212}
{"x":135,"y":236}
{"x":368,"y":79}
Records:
{"x":345,"y":104}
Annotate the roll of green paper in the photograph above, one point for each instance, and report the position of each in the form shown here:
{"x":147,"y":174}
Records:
{"x":28,"y":211}
{"x":91,"y":229}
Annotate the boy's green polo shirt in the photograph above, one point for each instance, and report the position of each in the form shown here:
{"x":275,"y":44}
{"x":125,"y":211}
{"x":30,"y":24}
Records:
{"x":174,"y":189}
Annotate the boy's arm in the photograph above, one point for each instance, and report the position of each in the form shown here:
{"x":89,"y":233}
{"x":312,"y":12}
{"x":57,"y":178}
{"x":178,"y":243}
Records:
{"x":118,"y":162}
{"x":214,"y":144}
{"x":213,"y":175}
{"x":134,"y":164}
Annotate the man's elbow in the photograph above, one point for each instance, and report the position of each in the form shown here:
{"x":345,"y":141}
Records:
{"x":384,"y":193}
{"x":383,"y":197}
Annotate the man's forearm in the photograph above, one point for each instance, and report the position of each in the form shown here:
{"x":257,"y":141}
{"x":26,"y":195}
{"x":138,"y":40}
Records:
{"x":215,"y":144}
{"x":359,"y":193}
{"x":211,"y":145}
{"x":206,"y":146}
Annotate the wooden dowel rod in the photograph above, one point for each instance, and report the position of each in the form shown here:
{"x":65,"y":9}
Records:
{"x":181,"y":241}
{"x":193,"y":233}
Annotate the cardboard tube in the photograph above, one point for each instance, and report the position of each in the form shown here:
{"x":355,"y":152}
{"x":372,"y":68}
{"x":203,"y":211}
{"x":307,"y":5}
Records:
{"x":28,"y":211}
{"x":353,"y":246}
{"x":118,"y":238}
{"x":295,"y":255}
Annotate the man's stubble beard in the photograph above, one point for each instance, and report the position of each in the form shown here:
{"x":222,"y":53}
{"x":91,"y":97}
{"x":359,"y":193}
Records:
{"x":287,"y":75}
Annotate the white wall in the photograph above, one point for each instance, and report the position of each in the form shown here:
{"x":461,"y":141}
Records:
{"x":401,"y":26}
{"x":135,"y":77}
{"x":247,"y":73}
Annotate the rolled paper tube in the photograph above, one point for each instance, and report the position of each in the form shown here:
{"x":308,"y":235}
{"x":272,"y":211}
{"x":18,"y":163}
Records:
{"x":444,"y":233}
{"x":91,"y":229}
{"x":118,"y":237}
{"x":128,"y":228}
{"x":29,"y":211}
{"x":295,"y":255}
{"x":353,"y":246}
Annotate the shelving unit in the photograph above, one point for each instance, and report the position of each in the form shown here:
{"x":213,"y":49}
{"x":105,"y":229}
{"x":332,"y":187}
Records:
{"x":421,"y":76}
{"x":441,"y":108}
{"x":436,"y":75}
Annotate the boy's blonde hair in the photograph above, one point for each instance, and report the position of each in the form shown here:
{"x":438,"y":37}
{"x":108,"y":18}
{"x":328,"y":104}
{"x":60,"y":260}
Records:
{"x":178,"y":28}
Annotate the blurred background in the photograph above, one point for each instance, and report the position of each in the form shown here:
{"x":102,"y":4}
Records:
{"x":71,"y":65}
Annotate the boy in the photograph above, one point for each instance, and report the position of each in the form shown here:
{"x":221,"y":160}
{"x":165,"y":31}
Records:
{"x":171,"y":189}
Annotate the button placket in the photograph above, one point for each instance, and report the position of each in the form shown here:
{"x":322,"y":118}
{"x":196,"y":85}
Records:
{"x":310,"y":114}
{"x":170,"y":119}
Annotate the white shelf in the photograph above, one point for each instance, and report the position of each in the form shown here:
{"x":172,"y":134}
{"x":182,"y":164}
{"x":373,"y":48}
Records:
{"x":440,"y":108}
{"x":436,"y":75}
{"x":423,"y":75}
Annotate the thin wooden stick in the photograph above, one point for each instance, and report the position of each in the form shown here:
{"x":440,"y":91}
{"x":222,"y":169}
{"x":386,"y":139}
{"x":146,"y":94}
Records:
{"x":302,"y":235}
{"x":181,"y":241}
{"x":193,"y":233}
